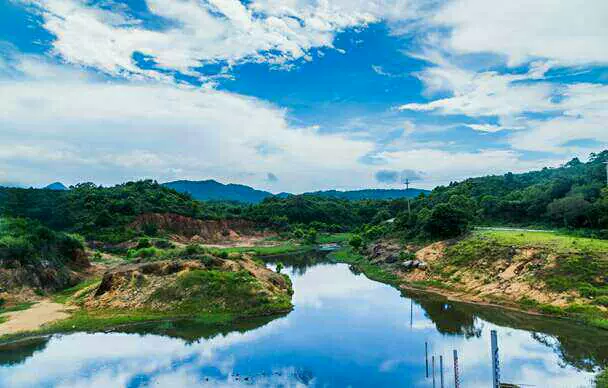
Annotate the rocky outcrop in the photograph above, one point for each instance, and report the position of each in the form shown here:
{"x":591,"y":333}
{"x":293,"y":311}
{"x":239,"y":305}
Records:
{"x":394,"y":255}
{"x":189,"y":228}
{"x":208,"y":284}
{"x":44,"y":275}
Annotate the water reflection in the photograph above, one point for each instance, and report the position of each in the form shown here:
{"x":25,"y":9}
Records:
{"x":344,"y":330}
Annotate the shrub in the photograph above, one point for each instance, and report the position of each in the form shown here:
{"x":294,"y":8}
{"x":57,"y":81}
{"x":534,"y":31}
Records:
{"x":194,"y":249}
{"x":559,"y":283}
{"x":587,"y":291}
{"x":311,"y":236}
{"x":223,"y":254}
{"x":143,"y":243}
{"x":601,"y":300}
{"x":356,"y":241}
{"x":150,"y":229}
{"x":163,"y":244}
{"x":407,"y":255}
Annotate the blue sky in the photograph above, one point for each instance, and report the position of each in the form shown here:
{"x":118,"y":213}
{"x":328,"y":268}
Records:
{"x":298,"y":95}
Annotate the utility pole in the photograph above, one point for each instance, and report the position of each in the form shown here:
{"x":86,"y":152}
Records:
{"x":441,"y":371}
{"x":411,"y":313}
{"x":495,"y":362}
{"x":606,"y":163}
{"x":456,"y":372}
{"x":407,"y":188}
{"x":433,"y":369}
{"x":426,"y":358}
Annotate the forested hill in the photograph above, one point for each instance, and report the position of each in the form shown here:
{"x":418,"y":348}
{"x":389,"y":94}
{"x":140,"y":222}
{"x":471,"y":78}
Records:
{"x":104,"y":212}
{"x":573,"y":196}
{"x":375,"y":194}
{"x":210,"y":190}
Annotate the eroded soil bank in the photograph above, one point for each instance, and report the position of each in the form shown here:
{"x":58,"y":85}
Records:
{"x":531,"y":271}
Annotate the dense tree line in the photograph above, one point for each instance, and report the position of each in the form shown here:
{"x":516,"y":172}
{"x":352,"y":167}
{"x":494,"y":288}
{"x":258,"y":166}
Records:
{"x":571,"y":196}
{"x":96,"y":211}
{"x":26,"y":241}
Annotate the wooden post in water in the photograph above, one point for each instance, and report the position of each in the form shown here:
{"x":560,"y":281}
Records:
{"x":411,"y":313}
{"x":433,"y":369}
{"x":441,"y":371}
{"x":456,"y":376}
{"x":426,"y":358}
{"x":495,"y":361}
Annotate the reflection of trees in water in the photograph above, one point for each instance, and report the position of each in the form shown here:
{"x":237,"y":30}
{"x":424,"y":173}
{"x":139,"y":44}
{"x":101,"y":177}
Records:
{"x":305,"y":376}
{"x":449,"y":319}
{"x":583,"y":347}
{"x":187,"y":330}
{"x":193,"y":331}
{"x":19,"y":351}
{"x":299,"y":262}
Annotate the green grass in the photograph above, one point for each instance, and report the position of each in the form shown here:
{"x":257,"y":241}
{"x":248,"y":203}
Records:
{"x":478,"y":246}
{"x":601,"y":380}
{"x":560,"y":243}
{"x":348,"y":256}
{"x":94,"y":320}
{"x":65,"y":295}
{"x":288,"y":247}
{"x":17,"y":307}
{"x":431,"y":283}
{"x":213,"y":291}
{"x":334,"y":238}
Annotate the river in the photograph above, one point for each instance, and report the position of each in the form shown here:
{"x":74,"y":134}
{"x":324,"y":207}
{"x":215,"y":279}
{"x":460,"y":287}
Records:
{"x":345,"y":330}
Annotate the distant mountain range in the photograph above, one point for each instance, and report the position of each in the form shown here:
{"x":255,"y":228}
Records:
{"x":52,"y":186}
{"x":211,"y":190}
{"x":56,"y":186}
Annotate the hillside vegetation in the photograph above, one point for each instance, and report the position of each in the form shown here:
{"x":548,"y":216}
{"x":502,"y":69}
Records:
{"x":573,"y":196}
{"x":552,"y":273}
{"x":36,"y":256}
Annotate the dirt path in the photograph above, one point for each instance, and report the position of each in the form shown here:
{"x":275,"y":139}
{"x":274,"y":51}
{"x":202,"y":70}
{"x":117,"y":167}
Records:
{"x":33,"y":318}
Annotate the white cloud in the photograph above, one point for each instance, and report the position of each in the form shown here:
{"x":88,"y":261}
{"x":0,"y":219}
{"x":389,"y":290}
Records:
{"x":107,"y":38}
{"x":569,"y":32}
{"x":86,"y":129}
{"x":490,"y":128}
{"x":575,"y":111}
{"x":539,"y":34}
{"x":485,"y":93}
{"x":107,"y":132}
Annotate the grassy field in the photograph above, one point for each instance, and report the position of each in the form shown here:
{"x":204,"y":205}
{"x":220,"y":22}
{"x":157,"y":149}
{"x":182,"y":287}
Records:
{"x":601,"y":380}
{"x":286,"y":247}
{"x":572,"y":265}
{"x":560,"y":243}
{"x":334,"y":238}
{"x":65,"y":295}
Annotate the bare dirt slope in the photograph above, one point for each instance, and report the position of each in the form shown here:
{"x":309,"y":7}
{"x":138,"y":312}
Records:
{"x":33,"y":318}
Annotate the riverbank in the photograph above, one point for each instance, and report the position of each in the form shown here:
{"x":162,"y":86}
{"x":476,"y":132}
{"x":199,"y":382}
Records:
{"x":534,"y":272}
{"x":193,"y":284}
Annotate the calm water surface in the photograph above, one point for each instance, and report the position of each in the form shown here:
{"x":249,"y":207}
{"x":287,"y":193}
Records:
{"x":345,"y":330}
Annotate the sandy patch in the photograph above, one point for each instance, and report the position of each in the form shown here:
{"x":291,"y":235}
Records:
{"x":34,"y":317}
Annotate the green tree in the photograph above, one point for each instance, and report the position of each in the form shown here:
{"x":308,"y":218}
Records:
{"x":356,"y":241}
{"x":446,"y":221}
{"x":572,"y":211}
